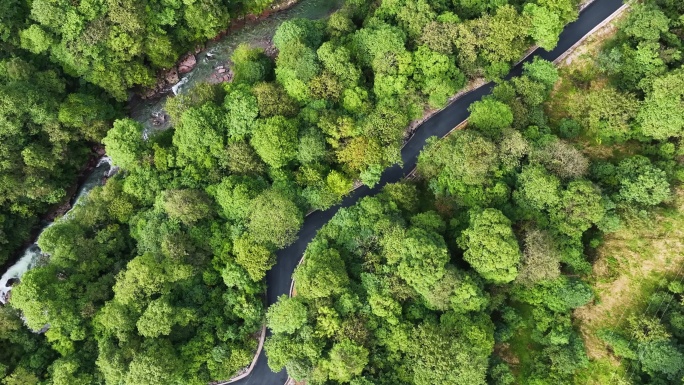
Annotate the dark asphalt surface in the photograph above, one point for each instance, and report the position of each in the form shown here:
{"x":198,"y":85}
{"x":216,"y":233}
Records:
{"x":279,"y":277}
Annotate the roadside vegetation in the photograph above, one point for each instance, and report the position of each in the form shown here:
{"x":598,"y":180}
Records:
{"x":157,"y":276}
{"x":526,"y":216}
{"x":641,"y":262}
{"x":56,"y":59}
{"x":334,"y":110}
{"x":485,"y":245}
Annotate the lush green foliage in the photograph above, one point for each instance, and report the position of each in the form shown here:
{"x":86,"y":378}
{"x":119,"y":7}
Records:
{"x":492,"y":237}
{"x":652,"y":343}
{"x":336,"y":106}
{"x":48,"y":121}
{"x":156,"y":278}
{"x":378,"y":300}
{"x":118,"y":45}
{"x":162,"y":266}
{"x":146,"y":283}
{"x":24,"y":356}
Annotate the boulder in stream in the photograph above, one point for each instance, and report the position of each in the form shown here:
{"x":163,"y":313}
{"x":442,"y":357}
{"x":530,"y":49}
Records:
{"x":187,"y":64}
{"x":172,"y":76}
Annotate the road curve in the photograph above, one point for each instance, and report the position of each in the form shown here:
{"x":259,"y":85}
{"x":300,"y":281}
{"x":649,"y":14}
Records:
{"x":279,"y":277}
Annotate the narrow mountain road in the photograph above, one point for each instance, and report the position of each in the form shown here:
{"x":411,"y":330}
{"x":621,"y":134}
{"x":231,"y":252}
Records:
{"x":279,"y":277}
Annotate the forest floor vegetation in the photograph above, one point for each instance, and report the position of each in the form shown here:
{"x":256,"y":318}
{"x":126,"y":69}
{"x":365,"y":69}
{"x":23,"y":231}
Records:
{"x":630,"y":266}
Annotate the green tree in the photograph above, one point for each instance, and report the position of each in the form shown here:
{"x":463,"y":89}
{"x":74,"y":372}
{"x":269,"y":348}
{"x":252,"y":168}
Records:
{"x":187,"y":206}
{"x":490,"y":116}
{"x":253,"y":256}
{"x":159,"y":317}
{"x":88,"y":114}
{"x":546,"y":25}
{"x":447,"y":354}
{"x":542,"y":71}
{"x":125,"y":145}
{"x":287,"y":315}
{"x":463,"y":156}
{"x":35,"y":39}
{"x":275,"y":140}
{"x":645,"y":22}
{"x":156,"y":364}
{"x":661,"y":358}
{"x":21,"y":376}
{"x":235,"y":194}
{"x":491,"y":247}
{"x":537,"y":189}
{"x":607,"y":113}
{"x":273,"y":100}
{"x":495,"y":40}
{"x":274,"y":219}
{"x":581,"y":206}
{"x":321,"y":275}
{"x":641,"y":182}
{"x":241,"y":158}
{"x":662,"y":114}
{"x":347,"y":360}
{"x":296,"y":66}
{"x":437,"y":75}
{"x":250,"y":65}
{"x":242,"y":111}
{"x":200,"y":137}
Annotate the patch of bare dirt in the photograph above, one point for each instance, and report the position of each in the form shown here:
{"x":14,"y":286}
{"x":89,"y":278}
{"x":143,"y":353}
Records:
{"x":504,"y":352}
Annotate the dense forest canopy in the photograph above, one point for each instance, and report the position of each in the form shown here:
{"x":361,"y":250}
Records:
{"x":62,"y":64}
{"x":157,"y":277}
{"x":50,"y":116}
{"x":496,"y":237}
{"x":48,"y":122}
{"x":458,"y":258}
{"x":117,"y":44}
{"x":349,"y":85}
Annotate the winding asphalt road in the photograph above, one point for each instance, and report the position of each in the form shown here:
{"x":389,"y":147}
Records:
{"x":279,"y":277}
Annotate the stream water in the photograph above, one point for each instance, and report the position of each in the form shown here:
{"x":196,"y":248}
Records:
{"x":32,"y":255}
{"x":216,"y":54}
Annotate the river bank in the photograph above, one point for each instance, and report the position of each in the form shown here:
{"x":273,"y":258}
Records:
{"x":212,"y":61}
{"x":96,"y":172}
{"x":168,"y":78}
{"x":215,"y":56}
{"x":59,"y":209}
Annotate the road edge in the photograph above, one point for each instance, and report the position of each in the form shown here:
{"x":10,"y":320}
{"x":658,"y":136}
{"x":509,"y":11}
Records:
{"x":262,"y":338}
{"x":459,"y":126}
{"x":462,"y":124}
{"x":600,"y":25}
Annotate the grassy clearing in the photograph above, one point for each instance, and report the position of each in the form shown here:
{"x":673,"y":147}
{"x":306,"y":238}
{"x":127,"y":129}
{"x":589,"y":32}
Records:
{"x":637,"y":260}
{"x":631,"y":264}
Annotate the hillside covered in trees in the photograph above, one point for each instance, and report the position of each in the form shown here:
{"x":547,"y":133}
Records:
{"x":344,"y":90}
{"x":48,"y":124}
{"x":62,"y":65}
{"x":117,"y":45}
{"x":157,"y":277}
{"x":470,"y":273}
